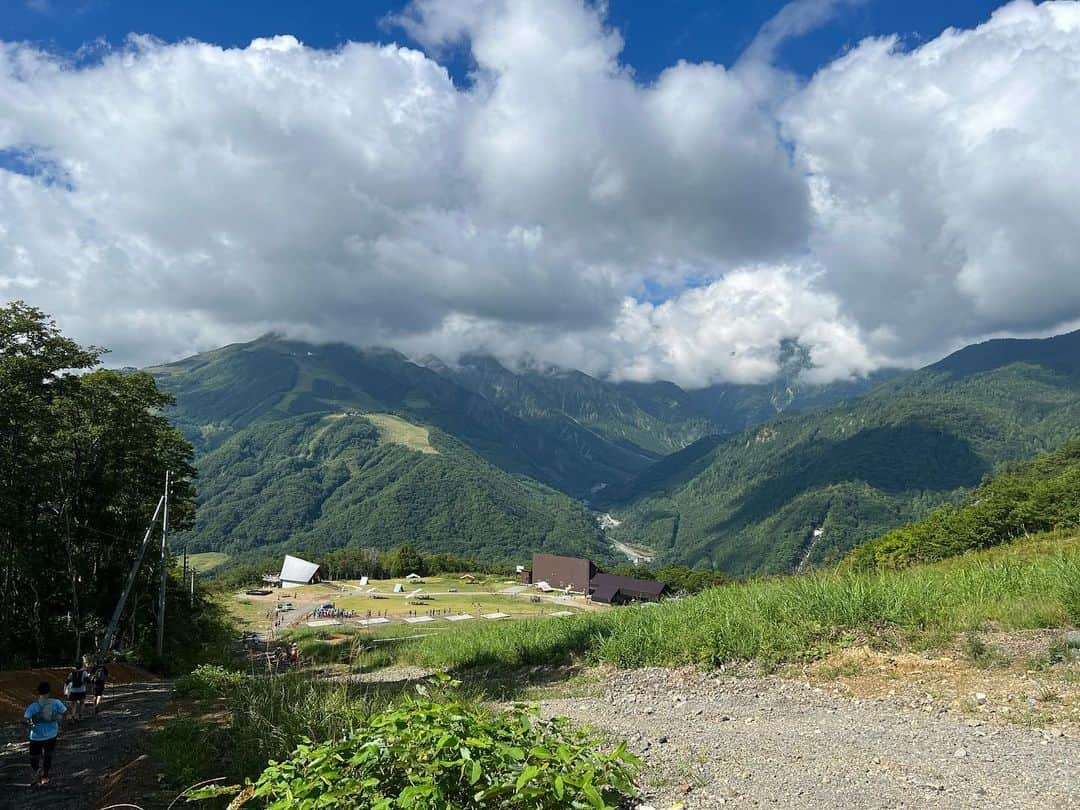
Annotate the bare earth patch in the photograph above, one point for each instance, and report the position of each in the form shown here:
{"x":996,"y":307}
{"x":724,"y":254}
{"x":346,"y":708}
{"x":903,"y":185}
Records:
{"x":995,"y":678}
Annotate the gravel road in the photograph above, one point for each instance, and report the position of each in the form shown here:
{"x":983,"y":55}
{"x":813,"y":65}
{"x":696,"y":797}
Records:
{"x":88,"y":752}
{"x":721,"y":741}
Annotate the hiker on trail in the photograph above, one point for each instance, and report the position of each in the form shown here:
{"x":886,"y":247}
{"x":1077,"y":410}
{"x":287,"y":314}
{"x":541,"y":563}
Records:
{"x":43,"y":715}
{"x":75,"y":687}
{"x":98,"y":678}
{"x":294,"y":654}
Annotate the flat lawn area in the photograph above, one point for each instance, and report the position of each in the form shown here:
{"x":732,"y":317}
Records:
{"x":249,"y":611}
{"x":446,"y":595}
{"x":207,"y":561}
{"x":396,"y":606}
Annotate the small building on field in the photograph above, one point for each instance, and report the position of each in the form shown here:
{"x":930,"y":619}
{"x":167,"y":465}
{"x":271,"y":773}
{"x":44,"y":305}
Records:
{"x":563,"y":573}
{"x":610,"y":589}
{"x":295,"y":571}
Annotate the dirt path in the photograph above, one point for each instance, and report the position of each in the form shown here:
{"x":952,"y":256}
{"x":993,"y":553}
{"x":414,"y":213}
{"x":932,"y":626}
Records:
{"x":88,"y":751}
{"x":720,"y":741}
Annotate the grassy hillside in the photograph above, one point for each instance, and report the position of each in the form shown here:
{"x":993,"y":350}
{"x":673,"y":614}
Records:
{"x":323,"y":481}
{"x":1026,"y":498}
{"x":206,"y":561}
{"x":804,"y":489}
{"x":1024,"y":585}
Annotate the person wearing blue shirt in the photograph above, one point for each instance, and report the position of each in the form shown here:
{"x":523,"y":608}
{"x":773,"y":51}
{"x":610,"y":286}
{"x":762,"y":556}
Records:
{"x":44,"y":716}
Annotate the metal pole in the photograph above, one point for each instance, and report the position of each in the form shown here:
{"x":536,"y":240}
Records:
{"x":164,"y":569}
{"x":106,"y":641}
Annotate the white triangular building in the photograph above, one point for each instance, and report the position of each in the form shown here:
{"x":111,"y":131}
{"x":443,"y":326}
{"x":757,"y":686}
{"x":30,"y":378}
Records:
{"x":295,"y":571}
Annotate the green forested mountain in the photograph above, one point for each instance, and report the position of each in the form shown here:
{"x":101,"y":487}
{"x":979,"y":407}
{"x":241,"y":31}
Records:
{"x":327,"y":446}
{"x":648,"y":422}
{"x":804,"y":489}
{"x":315,"y":482}
{"x":1023,"y":499}
{"x":320,"y":447}
{"x":652,"y":419}
{"x":231,"y":388}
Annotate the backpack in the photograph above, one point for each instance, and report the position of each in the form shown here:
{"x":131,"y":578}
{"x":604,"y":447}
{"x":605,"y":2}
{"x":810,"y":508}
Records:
{"x":100,"y":674}
{"x":46,"y":712}
{"x":77,"y":679}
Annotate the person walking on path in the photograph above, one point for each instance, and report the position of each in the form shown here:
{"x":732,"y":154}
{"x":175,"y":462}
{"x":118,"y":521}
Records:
{"x":75,"y":686}
{"x":98,"y":678}
{"x":43,"y":715}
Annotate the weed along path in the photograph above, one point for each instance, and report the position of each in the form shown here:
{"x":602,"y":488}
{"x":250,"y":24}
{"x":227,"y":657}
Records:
{"x":90,"y":756}
{"x":718,"y":741}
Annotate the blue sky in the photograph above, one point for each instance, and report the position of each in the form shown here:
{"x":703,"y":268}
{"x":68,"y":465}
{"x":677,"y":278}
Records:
{"x":657,"y":34}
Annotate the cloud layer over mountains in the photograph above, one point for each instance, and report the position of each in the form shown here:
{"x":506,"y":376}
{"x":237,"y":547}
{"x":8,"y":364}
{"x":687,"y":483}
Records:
{"x":170,"y":198}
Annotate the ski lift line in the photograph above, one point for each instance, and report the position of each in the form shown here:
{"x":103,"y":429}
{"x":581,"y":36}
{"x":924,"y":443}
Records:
{"x":106,"y":641}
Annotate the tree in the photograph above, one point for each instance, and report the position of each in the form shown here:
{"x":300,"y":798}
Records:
{"x":82,"y":462}
{"x":404,"y":560}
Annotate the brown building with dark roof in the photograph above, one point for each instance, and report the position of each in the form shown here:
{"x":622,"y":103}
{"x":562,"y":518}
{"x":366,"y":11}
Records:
{"x":615,"y":590}
{"x":563,"y":572}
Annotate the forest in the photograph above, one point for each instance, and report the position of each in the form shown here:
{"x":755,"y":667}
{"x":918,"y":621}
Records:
{"x":1024,"y":499}
{"x":83,"y":456}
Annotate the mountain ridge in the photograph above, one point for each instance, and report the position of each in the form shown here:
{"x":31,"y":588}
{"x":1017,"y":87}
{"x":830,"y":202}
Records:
{"x":823,"y":481}
{"x":712,"y":477}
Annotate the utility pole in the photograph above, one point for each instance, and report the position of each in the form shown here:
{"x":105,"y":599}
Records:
{"x":164,"y":568}
{"x":106,"y":642}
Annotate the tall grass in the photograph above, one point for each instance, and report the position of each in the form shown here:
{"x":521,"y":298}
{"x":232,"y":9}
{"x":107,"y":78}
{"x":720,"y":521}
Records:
{"x":1029,"y":584}
{"x":266,"y":716}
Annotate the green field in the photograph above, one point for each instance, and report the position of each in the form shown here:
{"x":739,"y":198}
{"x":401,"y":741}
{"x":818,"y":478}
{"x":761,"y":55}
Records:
{"x":442,"y":595}
{"x":1025,"y":585}
{"x":207,"y":561}
{"x":394,"y":430}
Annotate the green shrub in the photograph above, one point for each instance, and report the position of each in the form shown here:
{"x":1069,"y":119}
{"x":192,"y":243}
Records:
{"x":432,"y":752}
{"x":208,"y":681}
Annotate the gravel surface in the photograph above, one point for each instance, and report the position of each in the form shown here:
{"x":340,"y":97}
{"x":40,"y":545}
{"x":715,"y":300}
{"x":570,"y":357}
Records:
{"x":87,"y":752}
{"x":721,"y":741}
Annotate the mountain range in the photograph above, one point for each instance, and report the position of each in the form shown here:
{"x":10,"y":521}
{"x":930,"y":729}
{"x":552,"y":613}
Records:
{"x":303,"y":446}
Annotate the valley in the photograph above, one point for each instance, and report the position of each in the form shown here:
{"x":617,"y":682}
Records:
{"x":476,"y":459}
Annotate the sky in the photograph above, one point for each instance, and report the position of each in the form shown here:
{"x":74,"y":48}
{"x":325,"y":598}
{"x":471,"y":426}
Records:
{"x":639,"y":190}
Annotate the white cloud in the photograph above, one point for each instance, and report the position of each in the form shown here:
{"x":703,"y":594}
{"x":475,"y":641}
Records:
{"x":945,"y":179}
{"x":192,"y":195}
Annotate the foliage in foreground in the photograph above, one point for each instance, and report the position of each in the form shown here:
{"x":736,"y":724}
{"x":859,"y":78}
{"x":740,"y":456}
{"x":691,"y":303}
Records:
{"x":431,"y":750}
{"x":1027,"y":498}
{"x":1029,"y":584}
